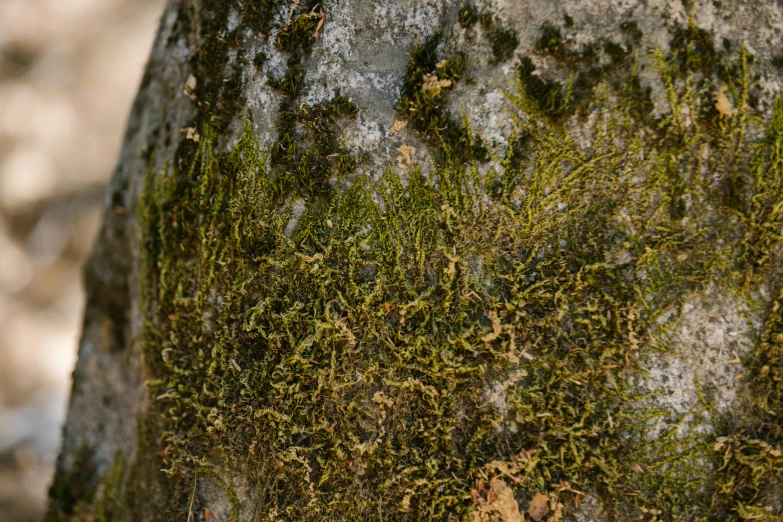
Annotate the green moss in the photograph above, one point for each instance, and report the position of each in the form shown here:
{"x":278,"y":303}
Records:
{"x":291,"y":83}
{"x":377,"y":349}
{"x":257,"y":15}
{"x":306,"y":155}
{"x":585,"y":71}
{"x":81,"y":494}
{"x":694,"y":49}
{"x":750,"y":449}
{"x":549,"y":95}
{"x":400,"y":341}
{"x":145,"y":486}
{"x":423,"y":99}
{"x":503,"y":40}
{"x":210,"y":65}
{"x":551,"y":41}
{"x":259,"y":59}
{"x":504,"y":43}
{"x":298,"y":35}
{"x":616,"y":52}
{"x":468,"y":16}
{"x":631,"y":29}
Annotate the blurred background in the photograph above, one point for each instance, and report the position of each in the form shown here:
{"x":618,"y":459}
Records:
{"x":69,"y":70}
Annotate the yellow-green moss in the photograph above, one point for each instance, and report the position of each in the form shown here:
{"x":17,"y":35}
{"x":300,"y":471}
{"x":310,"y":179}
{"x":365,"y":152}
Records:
{"x":370,"y":353}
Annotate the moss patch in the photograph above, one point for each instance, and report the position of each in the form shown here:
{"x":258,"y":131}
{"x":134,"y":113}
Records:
{"x":504,"y":41}
{"x":751,"y":449}
{"x":587,"y":67}
{"x":423,"y":101}
{"x":110,"y":504}
{"x":307,"y":153}
{"x":378,"y":351}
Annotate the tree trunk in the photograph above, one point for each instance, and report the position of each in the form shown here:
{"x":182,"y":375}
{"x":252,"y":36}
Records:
{"x":435,"y":260}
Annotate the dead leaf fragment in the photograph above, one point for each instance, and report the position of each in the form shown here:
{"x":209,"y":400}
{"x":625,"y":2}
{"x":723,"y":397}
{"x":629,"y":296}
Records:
{"x":397,"y":127}
{"x":292,"y":11}
{"x":406,"y":155}
{"x":191,"y":134}
{"x":321,"y":19}
{"x":722,"y":103}
{"x":431,"y":82}
{"x":504,"y":503}
{"x":539,"y":507}
{"x":190,"y":87}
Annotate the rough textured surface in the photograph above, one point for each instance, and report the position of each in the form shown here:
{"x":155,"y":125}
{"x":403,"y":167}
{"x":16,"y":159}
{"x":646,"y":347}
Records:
{"x":711,"y":337}
{"x":323,"y":338}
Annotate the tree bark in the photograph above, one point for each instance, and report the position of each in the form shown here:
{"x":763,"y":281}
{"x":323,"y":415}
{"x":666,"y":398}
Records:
{"x":437,"y":260}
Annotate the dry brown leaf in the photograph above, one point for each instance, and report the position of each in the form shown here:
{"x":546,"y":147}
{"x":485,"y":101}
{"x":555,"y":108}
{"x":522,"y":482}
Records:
{"x":321,"y":19}
{"x":503,"y":502}
{"x":191,"y":134}
{"x":431,"y":82}
{"x":538,"y":507}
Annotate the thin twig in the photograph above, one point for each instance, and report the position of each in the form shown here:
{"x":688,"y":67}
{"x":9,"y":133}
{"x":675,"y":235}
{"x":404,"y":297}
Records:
{"x":193,"y":496}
